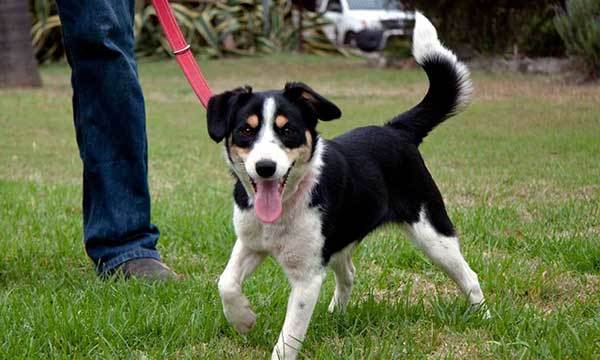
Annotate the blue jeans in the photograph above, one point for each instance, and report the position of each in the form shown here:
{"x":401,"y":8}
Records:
{"x":110,"y":126}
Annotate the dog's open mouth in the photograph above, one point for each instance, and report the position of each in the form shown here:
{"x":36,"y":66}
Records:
{"x":268,"y":197}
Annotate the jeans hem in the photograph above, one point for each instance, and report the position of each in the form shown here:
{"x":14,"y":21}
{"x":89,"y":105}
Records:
{"x":106,"y":267}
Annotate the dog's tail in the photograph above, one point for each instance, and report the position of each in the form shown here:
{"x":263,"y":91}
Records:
{"x":449,"y":84}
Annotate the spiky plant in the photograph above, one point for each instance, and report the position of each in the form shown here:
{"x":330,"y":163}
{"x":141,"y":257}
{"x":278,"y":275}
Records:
{"x":45,"y":32}
{"x":213,"y":28}
{"x":579,"y":27}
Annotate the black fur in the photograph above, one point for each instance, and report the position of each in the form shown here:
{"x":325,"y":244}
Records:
{"x":227,"y":114}
{"x":240,"y":196}
{"x":440,"y":102}
{"x":219,"y":111}
{"x":323,"y":109}
{"x":371,"y":175}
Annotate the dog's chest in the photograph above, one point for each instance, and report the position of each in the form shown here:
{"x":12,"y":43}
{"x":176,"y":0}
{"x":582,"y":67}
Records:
{"x":295,"y":240}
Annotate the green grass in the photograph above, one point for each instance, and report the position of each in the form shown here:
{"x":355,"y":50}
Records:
{"x":520,"y":171}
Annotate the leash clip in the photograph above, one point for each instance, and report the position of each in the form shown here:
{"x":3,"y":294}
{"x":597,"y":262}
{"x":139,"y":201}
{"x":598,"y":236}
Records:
{"x":182,"y":50}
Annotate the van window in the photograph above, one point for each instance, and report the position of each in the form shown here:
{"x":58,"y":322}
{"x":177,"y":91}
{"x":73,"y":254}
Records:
{"x":335,"y":6}
{"x":374,"y":5}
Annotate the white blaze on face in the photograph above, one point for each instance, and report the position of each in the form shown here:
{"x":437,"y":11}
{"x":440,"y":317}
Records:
{"x":267,"y":201}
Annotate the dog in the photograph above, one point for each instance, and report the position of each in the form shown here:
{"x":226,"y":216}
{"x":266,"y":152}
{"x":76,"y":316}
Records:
{"x":308,"y":201}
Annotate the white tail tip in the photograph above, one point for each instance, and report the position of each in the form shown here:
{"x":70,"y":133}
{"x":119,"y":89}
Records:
{"x":426,"y":42}
{"x":426,"y":45}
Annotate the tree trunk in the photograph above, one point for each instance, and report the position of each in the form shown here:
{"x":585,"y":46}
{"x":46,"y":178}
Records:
{"x":18,"y":66}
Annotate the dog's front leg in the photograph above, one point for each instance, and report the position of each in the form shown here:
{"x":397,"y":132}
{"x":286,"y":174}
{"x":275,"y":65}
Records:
{"x":236,"y":307}
{"x":304,"y":296}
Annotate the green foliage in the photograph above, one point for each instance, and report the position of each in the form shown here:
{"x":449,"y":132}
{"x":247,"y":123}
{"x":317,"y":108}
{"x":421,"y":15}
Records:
{"x":45,"y":32}
{"x":213,"y":28}
{"x":234,"y":27}
{"x":579,"y":27}
{"x":520,"y":180}
{"x":496,"y":27}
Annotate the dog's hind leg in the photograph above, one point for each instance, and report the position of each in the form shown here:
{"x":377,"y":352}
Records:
{"x":343,"y":269}
{"x":444,"y":251}
{"x":236,"y":307}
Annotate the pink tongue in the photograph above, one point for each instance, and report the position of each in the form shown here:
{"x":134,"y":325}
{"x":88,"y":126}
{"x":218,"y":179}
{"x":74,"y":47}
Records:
{"x":267,"y":202}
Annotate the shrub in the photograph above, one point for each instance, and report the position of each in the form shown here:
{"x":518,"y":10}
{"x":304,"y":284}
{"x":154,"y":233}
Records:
{"x":496,"y":27}
{"x":213,"y":28}
{"x":579,"y":27}
{"x":45,"y":32}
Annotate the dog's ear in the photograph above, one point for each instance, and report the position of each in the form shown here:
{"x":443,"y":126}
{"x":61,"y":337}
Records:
{"x":220,"y":109}
{"x":324,"y":109}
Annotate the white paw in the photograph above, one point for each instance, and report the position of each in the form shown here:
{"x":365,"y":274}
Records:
{"x":242,"y":319}
{"x":332,"y":306}
{"x":337,"y":305}
{"x":280,"y":354}
{"x":275,"y":355}
{"x":481,"y":309}
{"x":487,"y":315}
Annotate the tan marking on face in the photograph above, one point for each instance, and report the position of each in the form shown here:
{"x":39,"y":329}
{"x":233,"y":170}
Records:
{"x":301,"y":153}
{"x":237,"y":153}
{"x":252,"y":121}
{"x":280,"y":121}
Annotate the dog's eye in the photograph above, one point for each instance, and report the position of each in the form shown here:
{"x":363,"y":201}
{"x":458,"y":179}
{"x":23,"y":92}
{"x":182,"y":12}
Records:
{"x":285,"y":131}
{"x":247,"y":131}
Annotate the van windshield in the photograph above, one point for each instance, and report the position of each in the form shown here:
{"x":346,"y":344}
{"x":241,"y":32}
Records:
{"x":374,"y":5}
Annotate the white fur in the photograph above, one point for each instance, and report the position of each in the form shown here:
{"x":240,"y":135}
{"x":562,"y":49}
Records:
{"x":269,"y":107}
{"x":427,"y":45}
{"x":297,"y":234}
{"x":267,"y":145}
{"x":236,"y":306}
{"x":301,"y":304}
{"x":445,"y":252}
{"x":426,"y":42}
{"x":296,"y":242}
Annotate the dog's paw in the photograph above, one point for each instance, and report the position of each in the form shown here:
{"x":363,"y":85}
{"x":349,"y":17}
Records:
{"x":332,"y":306}
{"x":336,"y":305}
{"x":242,"y":319}
{"x":285,"y":352}
{"x":482,"y":310}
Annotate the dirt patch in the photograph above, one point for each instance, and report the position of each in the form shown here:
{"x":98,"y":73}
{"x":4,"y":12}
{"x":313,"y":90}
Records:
{"x":413,"y":287}
{"x":546,"y":288}
{"x":468,"y":345}
{"x":564,"y":289}
{"x":539,"y":88}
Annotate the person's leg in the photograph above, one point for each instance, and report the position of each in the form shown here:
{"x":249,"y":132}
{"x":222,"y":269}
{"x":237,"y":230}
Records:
{"x":109,"y":114}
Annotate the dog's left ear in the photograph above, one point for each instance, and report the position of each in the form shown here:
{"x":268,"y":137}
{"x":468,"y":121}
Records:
{"x":325,"y":109}
{"x":220,"y":109}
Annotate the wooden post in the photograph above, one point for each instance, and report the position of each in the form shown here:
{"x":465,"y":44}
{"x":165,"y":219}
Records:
{"x":18,"y":66}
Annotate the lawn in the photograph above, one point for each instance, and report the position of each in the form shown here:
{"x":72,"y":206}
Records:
{"x":520,"y":171}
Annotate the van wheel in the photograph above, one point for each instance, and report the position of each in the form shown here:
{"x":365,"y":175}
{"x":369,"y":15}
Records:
{"x":350,"y":39}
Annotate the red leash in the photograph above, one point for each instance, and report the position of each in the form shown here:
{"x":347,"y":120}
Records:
{"x":182,"y":51}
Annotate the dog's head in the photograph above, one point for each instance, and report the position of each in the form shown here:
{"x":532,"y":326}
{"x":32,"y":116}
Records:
{"x":270,"y":139}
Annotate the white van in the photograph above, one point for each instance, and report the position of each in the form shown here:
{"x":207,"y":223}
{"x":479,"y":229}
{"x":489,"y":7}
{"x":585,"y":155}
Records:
{"x":351,"y":17}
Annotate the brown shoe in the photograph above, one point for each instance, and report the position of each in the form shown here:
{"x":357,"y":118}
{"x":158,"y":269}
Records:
{"x":146,"y":269}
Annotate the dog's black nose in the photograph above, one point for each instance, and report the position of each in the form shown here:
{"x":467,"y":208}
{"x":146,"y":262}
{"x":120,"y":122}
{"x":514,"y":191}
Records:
{"x":265,"y":168}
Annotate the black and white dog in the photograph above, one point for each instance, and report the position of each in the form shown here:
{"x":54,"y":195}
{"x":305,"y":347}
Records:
{"x":308,"y":202}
